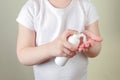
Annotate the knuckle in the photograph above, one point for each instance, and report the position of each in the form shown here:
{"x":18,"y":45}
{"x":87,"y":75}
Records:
{"x":68,"y":52}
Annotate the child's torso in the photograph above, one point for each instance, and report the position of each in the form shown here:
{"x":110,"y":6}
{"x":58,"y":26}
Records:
{"x":51,"y":22}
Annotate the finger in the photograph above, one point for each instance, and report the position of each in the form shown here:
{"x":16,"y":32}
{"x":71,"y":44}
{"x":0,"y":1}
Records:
{"x":69,"y":55}
{"x":70,"y":46}
{"x":82,"y":45}
{"x":81,"y":40}
{"x":80,"y":49}
{"x":85,"y":50}
{"x":72,"y":54}
{"x":91,"y":42}
{"x":93,"y":36}
{"x":66,"y":51}
{"x":64,"y":55}
{"x":87,"y":45}
{"x":70,"y":32}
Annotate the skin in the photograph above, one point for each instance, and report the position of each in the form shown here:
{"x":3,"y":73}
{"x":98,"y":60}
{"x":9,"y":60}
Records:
{"x":60,"y":3}
{"x":93,"y":45}
{"x":29,"y":54}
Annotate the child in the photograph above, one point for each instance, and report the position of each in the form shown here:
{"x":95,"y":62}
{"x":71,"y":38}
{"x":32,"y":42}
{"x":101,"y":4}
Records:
{"x":45,"y":25}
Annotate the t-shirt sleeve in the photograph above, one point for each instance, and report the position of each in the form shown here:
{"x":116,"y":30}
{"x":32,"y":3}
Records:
{"x":91,"y":14}
{"x":26,"y":15}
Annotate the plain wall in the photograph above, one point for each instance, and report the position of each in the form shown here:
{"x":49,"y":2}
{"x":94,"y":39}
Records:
{"x":104,"y":67}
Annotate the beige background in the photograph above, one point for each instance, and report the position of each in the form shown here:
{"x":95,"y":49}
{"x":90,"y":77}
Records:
{"x":104,"y":67}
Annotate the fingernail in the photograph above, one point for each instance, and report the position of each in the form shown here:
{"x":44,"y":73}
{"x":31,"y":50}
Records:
{"x":80,"y":49}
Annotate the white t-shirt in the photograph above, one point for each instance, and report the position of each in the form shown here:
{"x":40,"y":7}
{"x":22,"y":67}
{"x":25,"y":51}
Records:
{"x":48,"y":22}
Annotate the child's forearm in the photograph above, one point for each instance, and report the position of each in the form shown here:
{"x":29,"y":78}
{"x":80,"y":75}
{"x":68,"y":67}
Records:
{"x":94,"y":50}
{"x":34,"y":55}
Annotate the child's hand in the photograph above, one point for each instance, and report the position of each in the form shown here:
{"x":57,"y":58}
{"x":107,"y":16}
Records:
{"x":91,"y":40}
{"x":61,"y":47}
{"x":84,"y":47}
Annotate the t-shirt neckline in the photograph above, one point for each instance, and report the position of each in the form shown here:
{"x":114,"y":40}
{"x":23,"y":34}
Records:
{"x":60,"y":9}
